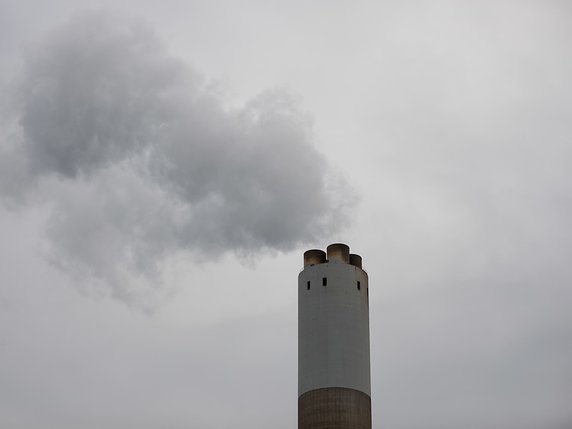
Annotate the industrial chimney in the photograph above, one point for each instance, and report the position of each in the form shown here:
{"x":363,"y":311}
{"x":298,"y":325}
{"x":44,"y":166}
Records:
{"x":333,"y":341}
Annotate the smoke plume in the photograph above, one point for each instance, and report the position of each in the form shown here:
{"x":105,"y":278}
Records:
{"x":140,"y":158}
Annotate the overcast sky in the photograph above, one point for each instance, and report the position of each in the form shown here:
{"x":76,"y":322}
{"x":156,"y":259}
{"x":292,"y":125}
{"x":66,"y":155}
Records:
{"x":165,"y":164}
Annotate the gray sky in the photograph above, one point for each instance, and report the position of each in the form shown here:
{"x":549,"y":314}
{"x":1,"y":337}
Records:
{"x":163,"y":166}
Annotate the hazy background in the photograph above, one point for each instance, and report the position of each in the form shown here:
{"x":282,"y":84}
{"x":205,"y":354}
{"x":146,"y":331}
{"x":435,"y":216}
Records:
{"x":163,"y":166}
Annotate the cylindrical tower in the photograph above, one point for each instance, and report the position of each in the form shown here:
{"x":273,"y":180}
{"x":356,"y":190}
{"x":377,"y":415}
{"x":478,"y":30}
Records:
{"x":333,"y":341}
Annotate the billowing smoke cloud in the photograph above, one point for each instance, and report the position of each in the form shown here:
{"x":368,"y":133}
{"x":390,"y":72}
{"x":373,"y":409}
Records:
{"x":140,"y":159}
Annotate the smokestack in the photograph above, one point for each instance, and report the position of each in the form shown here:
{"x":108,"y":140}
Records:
{"x":334,"y":388}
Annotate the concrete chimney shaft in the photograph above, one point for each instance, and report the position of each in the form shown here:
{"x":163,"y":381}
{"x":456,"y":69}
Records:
{"x":333,"y":341}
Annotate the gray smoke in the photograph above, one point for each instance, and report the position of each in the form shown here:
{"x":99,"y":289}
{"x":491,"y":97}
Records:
{"x":140,"y":158}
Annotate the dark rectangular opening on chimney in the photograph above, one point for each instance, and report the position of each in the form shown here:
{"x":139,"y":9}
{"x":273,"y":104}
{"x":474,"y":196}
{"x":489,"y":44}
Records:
{"x":324,"y":281}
